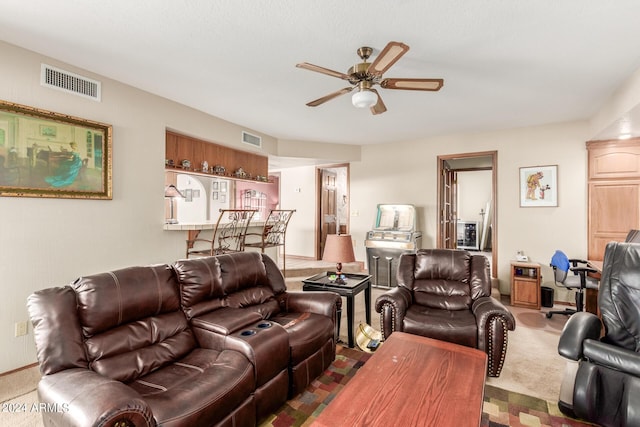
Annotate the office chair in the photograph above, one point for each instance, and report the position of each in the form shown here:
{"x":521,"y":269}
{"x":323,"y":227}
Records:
{"x":577,"y":281}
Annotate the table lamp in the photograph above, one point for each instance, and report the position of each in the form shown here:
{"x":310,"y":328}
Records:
{"x":338,"y":248}
{"x":171,"y":193}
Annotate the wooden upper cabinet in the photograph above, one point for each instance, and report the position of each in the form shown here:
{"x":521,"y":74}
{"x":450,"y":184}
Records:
{"x":614,"y":193}
{"x":614,"y":159}
{"x":180,"y":147}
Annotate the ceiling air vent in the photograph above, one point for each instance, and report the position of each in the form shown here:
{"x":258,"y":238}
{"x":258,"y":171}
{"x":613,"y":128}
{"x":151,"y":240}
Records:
{"x":254,"y":140}
{"x":69,"y":82}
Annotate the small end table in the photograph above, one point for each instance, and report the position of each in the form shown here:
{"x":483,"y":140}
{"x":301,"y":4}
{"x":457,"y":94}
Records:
{"x":353,"y":284}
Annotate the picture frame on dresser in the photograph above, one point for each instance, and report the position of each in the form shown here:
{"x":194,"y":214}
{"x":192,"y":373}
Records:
{"x":539,"y":186}
{"x":48,"y":154}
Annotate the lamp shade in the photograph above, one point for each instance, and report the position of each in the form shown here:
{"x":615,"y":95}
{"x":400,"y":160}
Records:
{"x":364,"y":98}
{"x":171,"y":191}
{"x":338,"y":248}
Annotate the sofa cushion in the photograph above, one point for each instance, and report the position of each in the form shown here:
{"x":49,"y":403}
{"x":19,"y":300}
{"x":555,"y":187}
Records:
{"x":140,"y":347}
{"x":442,"y":294}
{"x":442,"y":264}
{"x":238,"y":280}
{"x":140,"y":329}
{"x":458,"y":327}
{"x":308,"y":332}
{"x":132,"y":293}
{"x":199,"y":389}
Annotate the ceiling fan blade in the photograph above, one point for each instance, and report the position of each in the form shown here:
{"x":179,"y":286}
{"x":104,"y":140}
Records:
{"x":379,"y":108}
{"x":413,"y":84}
{"x":389,"y":55}
{"x":329,"y":97}
{"x":318,"y":69}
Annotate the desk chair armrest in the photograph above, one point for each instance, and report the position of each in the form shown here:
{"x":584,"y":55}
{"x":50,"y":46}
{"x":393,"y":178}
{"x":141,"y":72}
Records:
{"x":85,"y":398}
{"x":580,"y":270}
{"x":579,"y":327}
{"x":576,"y":261}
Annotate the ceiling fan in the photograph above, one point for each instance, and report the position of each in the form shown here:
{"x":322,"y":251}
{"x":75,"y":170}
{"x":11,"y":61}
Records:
{"x":365,"y":75}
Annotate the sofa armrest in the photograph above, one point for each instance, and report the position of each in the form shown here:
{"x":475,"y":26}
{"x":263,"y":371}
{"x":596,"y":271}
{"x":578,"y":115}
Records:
{"x":617,"y":358}
{"x":579,"y":327}
{"x":493,"y":320}
{"x":485,"y":308}
{"x":392,"y":306}
{"x":82,"y":398}
{"x":324,"y":303}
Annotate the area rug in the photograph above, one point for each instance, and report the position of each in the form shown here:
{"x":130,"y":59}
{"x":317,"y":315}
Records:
{"x":501,"y":407}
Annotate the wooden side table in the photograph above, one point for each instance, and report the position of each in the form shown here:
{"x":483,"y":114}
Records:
{"x":525,"y":284}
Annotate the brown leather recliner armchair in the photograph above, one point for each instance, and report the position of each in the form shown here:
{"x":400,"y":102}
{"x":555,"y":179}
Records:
{"x":445,"y":294}
{"x":606,"y":388}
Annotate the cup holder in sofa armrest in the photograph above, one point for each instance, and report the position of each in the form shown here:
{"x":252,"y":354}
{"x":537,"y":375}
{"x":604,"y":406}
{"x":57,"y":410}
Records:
{"x":264,"y":325}
{"x":248,"y":332}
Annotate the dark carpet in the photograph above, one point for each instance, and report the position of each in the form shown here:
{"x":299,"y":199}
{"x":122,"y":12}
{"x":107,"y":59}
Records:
{"x":501,"y":407}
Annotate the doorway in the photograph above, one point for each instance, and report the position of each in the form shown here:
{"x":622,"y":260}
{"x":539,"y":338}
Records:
{"x":483,"y":232}
{"x":333,"y":203}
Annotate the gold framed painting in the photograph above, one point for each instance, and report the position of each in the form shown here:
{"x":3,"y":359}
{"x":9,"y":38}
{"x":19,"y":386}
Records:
{"x":47,"y":154}
{"x":539,"y":186}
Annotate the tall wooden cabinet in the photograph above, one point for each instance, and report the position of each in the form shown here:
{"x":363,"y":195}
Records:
{"x":614,"y":192}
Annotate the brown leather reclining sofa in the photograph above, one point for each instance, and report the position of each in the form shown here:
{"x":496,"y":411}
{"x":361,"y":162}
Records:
{"x":203,"y":342}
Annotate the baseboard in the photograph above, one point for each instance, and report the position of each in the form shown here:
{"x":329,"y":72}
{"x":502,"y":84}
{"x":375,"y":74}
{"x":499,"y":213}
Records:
{"x":14,"y":371}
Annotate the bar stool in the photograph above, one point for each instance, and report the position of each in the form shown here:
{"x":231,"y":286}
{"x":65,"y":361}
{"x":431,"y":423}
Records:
{"x":228,"y":234}
{"x":274,"y":233}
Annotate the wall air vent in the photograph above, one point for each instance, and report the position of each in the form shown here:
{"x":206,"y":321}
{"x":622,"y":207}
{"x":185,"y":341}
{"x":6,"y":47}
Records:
{"x":69,"y":82}
{"x":254,"y":140}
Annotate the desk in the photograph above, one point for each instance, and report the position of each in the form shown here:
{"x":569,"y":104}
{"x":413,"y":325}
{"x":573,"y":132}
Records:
{"x":412,"y":381}
{"x":354,"y":284}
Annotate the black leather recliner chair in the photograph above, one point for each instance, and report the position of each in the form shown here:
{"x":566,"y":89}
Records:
{"x":606,"y":390}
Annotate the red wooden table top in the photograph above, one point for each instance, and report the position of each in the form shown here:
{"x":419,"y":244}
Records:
{"x":412,"y":381}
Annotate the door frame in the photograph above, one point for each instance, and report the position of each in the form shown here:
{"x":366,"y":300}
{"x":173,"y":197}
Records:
{"x":494,"y":200}
{"x":318,"y":219}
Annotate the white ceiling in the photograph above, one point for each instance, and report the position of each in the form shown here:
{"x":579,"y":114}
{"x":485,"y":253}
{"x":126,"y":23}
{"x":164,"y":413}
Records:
{"x":506,"y":63}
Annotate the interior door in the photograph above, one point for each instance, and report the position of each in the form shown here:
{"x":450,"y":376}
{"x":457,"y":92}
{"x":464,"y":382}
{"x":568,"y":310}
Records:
{"x":448,"y":166}
{"x":328,"y":206}
{"x":448,"y":211}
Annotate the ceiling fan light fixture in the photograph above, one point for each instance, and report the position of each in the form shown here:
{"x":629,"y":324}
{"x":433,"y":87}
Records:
{"x":364,"y":99}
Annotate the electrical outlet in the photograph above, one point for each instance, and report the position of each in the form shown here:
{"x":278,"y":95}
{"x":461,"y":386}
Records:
{"x":22,"y":328}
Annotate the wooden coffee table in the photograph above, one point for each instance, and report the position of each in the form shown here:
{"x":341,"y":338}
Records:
{"x":412,"y":381}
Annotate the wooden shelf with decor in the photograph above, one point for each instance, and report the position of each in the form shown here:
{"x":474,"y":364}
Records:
{"x":181,"y":147}
{"x":525,"y":284}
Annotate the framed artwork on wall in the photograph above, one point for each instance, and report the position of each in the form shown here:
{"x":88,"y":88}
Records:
{"x":47,"y":154}
{"x":539,"y":186}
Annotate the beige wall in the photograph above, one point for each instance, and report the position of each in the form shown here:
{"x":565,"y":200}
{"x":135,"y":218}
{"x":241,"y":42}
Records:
{"x":537,"y":231}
